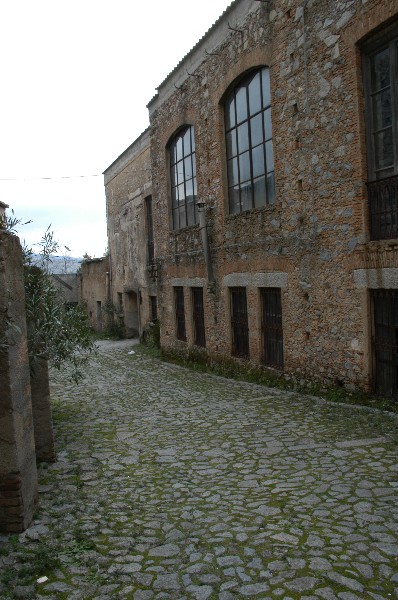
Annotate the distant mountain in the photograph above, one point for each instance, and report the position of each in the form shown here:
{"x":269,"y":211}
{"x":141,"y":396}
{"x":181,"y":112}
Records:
{"x":59,"y":265}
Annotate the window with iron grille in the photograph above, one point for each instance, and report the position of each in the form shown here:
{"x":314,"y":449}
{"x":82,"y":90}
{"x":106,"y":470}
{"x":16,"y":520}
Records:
{"x":239,"y":322}
{"x":198,"y":316}
{"x":149,"y":226}
{"x":271,"y":327}
{"x":153,"y":308}
{"x":250,"y":154}
{"x":385,"y":341}
{"x":183,"y":178}
{"x":381,"y":96}
{"x":180,"y":313}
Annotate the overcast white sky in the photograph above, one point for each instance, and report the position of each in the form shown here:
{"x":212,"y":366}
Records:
{"x":76,"y":78}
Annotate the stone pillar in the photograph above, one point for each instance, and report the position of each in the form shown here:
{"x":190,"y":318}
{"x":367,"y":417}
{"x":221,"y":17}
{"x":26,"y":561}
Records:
{"x":41,"y":406}
{"x":18,"y":474}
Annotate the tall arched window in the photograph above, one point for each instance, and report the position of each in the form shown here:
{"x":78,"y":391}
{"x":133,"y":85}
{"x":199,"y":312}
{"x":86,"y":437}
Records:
{"x":250,"y":154}
{"x":183,"y":178}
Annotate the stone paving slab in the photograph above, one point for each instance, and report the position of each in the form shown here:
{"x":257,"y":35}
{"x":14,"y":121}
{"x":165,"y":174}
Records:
{"x":182,"y":485}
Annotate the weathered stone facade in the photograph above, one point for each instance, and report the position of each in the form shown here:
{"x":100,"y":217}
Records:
{"x":312,"y":245}
{"x":314,"y":241}
{"x":128,"y":188}
{"x":18,"y":474}
{"x":94,"y":290}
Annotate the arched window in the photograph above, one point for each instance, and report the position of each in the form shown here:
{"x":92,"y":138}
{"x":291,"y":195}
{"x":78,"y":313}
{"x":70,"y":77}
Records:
{"x":183,"y":178}
{"x":250,"y":154}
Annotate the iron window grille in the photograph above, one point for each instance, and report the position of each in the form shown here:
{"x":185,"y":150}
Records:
{"x":153,"y":306}
{"x":183,"y":179}
{"x":239,"y":322}
{"x":385,"y":341}
{"x":249,"y":146}
{"x":149,"y":223}
{"x":198,"y":316}
{"x":381,"y":96}
{"x":180,"y":313}
{"x":271,"y":327}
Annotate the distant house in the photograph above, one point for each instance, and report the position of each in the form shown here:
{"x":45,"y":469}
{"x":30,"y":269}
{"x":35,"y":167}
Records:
{"x":128,"y":187}
{"x":68,"y":285}
{"x":94,"y":290}
{"x":268,"y":216}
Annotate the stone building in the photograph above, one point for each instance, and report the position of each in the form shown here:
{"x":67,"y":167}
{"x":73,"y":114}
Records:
{"x":274,"y":154}
{"x":94,"y":290}
{"x":68,"y":286}
{"x":128,"y":187}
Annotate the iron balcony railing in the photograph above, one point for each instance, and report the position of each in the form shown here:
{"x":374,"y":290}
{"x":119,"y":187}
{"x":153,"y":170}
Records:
{"x":383,"y":208}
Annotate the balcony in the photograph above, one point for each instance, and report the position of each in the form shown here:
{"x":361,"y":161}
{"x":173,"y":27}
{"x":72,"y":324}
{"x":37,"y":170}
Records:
{"x":383,"y":208}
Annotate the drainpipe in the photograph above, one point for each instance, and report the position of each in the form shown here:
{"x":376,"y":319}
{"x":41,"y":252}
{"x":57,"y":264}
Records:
{"x":205,"y":240}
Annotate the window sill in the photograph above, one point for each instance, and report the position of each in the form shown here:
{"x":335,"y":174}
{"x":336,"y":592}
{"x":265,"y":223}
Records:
{"x":269,"y":208}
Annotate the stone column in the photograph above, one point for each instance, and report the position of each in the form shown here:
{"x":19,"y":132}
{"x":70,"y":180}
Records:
{"x":18,"y":474}
{"x":41,"y":406}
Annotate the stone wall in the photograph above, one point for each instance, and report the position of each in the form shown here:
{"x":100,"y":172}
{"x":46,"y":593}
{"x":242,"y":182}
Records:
{"x":128,"y":184}
{"x":94,"y":287}
{"x":316,"y":234}
{"x":18,"y":475}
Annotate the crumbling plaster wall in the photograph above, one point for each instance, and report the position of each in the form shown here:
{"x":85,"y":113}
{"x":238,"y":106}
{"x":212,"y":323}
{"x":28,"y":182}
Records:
{"x":316,"y":232}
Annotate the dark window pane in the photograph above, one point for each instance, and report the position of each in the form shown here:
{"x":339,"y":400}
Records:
{"x":183,"y":215}
{"x":260,"y":194}
{"x":190,"y":212}
{"x":231,"y":143}
{"x":187,"y":142}
{"x":198,"y":316}
{"x":179,"y":149}
{"x":384,"y":151}
{"x":189,"y":190}
{"x":241,"y":105}
{"x":258,"y":161}
{"x":244,"y":166}
{"x":230,"y":120}
{"x":382,"y":110}
{"x":173,"y":175}
{"x":266,"y":87}
{"x":271,"y":325}
{"x":234,"y":200}
{"x":251,"y":165}
{"x":243,"y":138}
{"x":188,"y":167}
{"x":246,"y":196}
{"x":179,"y":313}
{"x":256,"y":130}
{"x":174,"y":197}
{"x":176,"y":223}
{"x":255,"y":94}
{"x":269,"y":151}
{"x":268,"y":124}
{"x":181,"y":193}
{"x":233,"y":175}
{"x":239,"y":322}
{"x":180,"y":171}
{"x":380,"y":69}
{"x":183,"y":176}
{"x":271,"y":188}
{"x":385,"y":344}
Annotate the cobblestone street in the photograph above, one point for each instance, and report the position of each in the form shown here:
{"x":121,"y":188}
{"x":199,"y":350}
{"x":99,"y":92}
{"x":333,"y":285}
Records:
{"x":176,"y":484}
